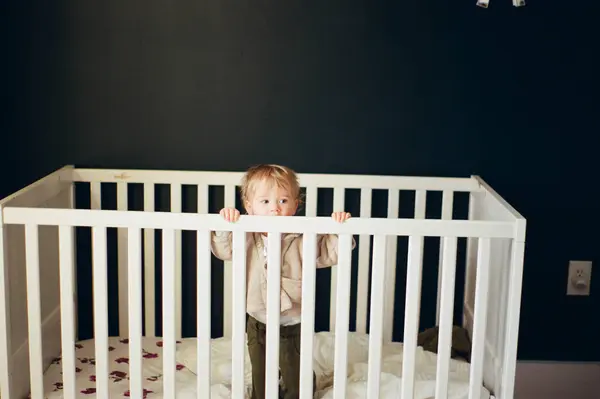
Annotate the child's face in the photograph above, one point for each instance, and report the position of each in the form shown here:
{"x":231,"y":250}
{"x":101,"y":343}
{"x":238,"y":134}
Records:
{"x":270,"y":200}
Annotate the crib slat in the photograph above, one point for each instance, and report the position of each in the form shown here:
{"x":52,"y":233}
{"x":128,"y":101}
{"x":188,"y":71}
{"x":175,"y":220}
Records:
{"x":338,"y":206}
{"x":202,"y":198}
{"x":203,"y":299}
{"x":176,"y":208}
{"x":471,"y":250}
{"x":5,"y":341}
{"x":135,"y":311}
{"x":100,"y":310}
{"x":238,"y":339}
{"x":342,"y":315}
{"x":67,"y":308}
{"x":149,"y":265}
{"x":420,"y":207}
{"x":95,"y":195}
{"x":34,"y":313}
{"x":479,"y":319}
{"x":307,"y":326}
{"x":122,"y":259}
{"x":273,"y":315}
{"x":448,"y":272}
{"x":420,"y":203}
{"x":376,"y":323}
{"x":364,"y":246}
{"x":227,"y":271}
{"x":390,"y":277}
{"x":73,"y":205}
{"x":338,"y":199}
{"x":447,"y":205}
{"x":168,"y":300}
{"x":411,"y":324}
{"x":311,"y":201}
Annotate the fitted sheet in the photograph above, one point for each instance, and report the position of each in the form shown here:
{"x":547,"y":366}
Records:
{"x":119,"y":372}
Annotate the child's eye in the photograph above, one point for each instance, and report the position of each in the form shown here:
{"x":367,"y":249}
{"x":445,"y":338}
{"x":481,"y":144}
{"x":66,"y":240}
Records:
{"x":283,"y":201}
{"x":264,"y":201}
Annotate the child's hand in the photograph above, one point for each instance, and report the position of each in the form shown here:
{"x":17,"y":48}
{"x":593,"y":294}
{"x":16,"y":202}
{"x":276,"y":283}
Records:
{"x":340,"y":216}
{"x":230,"y":214}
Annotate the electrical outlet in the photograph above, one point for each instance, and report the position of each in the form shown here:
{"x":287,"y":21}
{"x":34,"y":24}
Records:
{"x":580,"y":277}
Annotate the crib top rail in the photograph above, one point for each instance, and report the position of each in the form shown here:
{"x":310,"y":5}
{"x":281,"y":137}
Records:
{"x":347,"y":181}
{"x":40,"y":190}
{"x":495,"y":219}
{"x":271,"y":224}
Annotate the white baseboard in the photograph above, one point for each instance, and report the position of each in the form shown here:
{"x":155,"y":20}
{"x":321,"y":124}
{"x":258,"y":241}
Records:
{"x":51,"y":348}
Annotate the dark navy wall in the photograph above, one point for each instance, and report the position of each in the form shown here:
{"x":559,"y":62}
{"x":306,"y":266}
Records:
{"x":380,"y":87}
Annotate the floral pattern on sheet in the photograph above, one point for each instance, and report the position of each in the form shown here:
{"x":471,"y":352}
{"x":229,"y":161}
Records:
{"x":118,"y":374}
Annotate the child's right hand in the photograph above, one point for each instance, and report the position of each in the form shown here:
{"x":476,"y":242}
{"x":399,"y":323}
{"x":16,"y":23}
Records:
{"x":230,"y":214}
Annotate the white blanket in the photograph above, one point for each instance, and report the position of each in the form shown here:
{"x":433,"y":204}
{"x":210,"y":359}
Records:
{"x":358,"y":356}
{"x":391,"y":370}
{"x":221,"y":358}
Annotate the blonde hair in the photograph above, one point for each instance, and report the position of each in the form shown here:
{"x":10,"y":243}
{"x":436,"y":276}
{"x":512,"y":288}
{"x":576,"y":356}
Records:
{"x":282,"y":176}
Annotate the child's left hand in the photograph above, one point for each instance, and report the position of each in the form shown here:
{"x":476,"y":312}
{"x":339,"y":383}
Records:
{"x":340,"y":216}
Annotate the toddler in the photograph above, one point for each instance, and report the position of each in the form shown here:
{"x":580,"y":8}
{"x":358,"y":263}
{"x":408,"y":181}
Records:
{"x":273,"y":190}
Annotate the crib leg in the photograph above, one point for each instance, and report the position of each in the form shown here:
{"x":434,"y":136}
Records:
{"x":5,"y":342}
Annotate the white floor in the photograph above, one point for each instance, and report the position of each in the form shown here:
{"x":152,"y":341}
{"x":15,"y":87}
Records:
{"x":554,"y":380}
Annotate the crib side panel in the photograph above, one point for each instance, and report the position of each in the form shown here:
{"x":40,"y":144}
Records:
{"x":360,"y":194}
{"x":486,"y":205}
{"x":51,"y":193}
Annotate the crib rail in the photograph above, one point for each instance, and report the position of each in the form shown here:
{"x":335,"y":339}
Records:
{"x":132,"y":222}
{"x":288,"y":224}
{"x":346,"y":181}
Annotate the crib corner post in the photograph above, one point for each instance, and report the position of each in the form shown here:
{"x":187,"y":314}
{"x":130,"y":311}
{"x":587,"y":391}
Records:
{"x":513,"y":311}
{"x":6,"y":390}
{"x":73,"y":205}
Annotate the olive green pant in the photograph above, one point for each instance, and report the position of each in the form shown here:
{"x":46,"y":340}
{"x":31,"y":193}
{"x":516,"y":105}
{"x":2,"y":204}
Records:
{"x":289,"y":359}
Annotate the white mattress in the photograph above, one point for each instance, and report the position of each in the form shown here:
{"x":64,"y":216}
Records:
{"x":324,"y":345}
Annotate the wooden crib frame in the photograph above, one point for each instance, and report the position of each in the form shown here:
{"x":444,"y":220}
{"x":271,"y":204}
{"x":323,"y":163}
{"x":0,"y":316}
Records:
{"x":37,"y":257}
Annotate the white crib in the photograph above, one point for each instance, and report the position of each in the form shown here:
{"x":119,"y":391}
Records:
{"x":39,"y":309}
